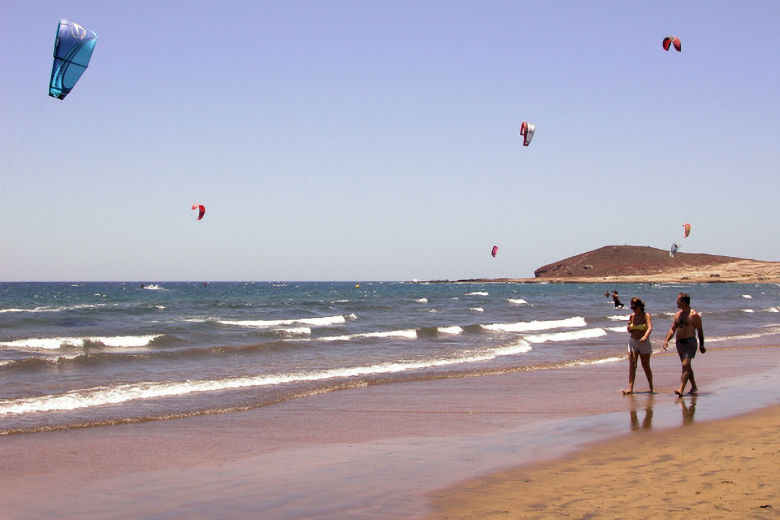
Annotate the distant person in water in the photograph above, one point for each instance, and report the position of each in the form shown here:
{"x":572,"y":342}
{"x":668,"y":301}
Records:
{"x":686,"y":325}
{"x":640,"y":325}
{"x":616,"y":299}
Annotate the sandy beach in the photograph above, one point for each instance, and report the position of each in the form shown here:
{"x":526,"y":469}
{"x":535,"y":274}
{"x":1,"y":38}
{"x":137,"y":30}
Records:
{"x":396,"y":451}
{"x":719,"y":469}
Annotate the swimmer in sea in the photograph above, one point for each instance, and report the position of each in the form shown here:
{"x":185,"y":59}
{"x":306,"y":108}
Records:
{"x":640,"y":325}
{"x":616,"y":299}
{"x":686,"y":325}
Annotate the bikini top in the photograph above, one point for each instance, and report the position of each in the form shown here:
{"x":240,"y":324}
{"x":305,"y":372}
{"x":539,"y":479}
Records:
{"x":640,"y":327}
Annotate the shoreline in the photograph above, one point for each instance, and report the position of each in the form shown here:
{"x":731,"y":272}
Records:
{"x":632,"y":279}
{"x":742,"y":271}
{"x":373,"y":452}
{"x":725,"y":468}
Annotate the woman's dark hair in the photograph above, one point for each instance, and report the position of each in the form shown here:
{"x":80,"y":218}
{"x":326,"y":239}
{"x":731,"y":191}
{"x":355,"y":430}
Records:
{"x":638,"y":303}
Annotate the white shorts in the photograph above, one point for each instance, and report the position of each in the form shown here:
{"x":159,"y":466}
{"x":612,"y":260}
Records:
{"x":639,"y":347}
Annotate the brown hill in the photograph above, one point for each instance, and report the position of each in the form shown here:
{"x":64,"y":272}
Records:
{"x":642,"y":263}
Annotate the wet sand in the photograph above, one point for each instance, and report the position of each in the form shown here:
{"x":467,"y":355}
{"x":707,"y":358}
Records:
{"x":374,"y":452}
{"x":720,"y":469}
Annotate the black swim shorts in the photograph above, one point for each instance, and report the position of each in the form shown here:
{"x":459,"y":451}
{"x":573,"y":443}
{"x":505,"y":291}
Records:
{"x":686,"y":347}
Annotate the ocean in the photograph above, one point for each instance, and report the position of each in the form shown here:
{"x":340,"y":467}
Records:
{"x":80,"y":355}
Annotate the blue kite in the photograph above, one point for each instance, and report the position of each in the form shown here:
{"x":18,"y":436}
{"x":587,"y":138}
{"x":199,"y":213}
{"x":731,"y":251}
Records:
{"x":73,"y":48}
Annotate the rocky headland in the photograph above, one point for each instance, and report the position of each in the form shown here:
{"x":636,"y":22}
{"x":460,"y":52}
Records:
{"x":639,"y":264}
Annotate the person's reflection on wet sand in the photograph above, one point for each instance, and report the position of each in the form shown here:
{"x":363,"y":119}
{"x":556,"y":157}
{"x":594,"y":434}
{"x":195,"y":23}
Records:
{"x":647,"y":421}
{"x":688,"y":410}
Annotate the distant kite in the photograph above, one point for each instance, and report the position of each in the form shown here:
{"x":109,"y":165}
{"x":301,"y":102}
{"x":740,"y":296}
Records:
{"x":527,"y":131}
{"x":201,"y":210}
{"x":494,"y":251}
{"x":73,"y":46}
{"x":673,"y":250}
{"x":672,"y":40}
{"x":687,"y":230}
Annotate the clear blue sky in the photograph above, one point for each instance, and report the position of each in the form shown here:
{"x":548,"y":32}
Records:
{"x":354,"y":140}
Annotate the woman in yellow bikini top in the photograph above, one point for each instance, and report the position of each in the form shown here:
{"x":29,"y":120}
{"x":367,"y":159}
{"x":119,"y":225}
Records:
{"x":640,"y":325}
{"x":639,"y":322}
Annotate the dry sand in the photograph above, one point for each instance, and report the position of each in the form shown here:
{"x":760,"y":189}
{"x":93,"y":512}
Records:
{"x":721,"y":469}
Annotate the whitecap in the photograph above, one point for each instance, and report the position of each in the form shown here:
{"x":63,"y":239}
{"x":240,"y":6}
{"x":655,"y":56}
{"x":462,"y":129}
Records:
{"x":573,"y":335}
{"x":56,"y":343}
{"x":405,"y":333}
{"x":453,"y":329}
{"x":525,"y":326}
{"x":117,"y":394}
{"x":325,"y":321}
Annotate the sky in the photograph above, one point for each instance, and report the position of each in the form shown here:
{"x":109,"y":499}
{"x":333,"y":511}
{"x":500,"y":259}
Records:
{"x":361,"y":140}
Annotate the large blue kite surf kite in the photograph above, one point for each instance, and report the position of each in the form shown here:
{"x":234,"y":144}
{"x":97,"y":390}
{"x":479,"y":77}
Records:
{"x":73,"y":48}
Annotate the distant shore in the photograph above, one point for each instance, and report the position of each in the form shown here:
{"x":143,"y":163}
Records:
{"x":742,"y":271}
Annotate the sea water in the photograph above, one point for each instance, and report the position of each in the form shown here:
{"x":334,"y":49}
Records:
{"x":98,"y":354}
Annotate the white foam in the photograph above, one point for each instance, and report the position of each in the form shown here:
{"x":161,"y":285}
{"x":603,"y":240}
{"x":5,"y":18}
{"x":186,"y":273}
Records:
{"x":57,"y":309}
{"x":772,"y":309}
{"x":111,"y":395}
{"x":406,"y":333}
{"x":525,"y":326}
{"x":619,"y":317}
{"x":747,"y":296}
{"x":55,"y":343}
{"x":154,"y":287}
{"x":516,"y":301}
{"x":477,"y":309}
{"x":422,"y":300}
{"x":747,"y":310}
{"x":595,"y":361}
{"x":325,"y":321}
{"x":616,"y":329}
{"x":718,"y":339}
{"x":454,"y":329}
{"x":476,"y":293}
{"x":520,"y":347}
{"x":573,"y":335}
